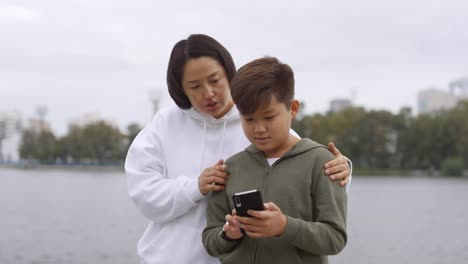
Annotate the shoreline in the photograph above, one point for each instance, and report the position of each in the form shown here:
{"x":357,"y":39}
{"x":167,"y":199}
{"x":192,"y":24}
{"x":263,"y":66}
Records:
{"x":74,"y":167}
{"x":358,"y":172}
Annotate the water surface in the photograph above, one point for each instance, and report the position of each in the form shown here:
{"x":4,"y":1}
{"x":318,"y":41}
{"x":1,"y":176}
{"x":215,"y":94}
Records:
{"x":86,"y":217}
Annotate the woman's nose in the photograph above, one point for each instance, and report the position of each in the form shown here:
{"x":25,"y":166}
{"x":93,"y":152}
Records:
{"x":209,"y":92}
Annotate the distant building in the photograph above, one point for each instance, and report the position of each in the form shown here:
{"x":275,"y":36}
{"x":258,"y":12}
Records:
{"x":459,"y":88}
{"x":90,"y":118}
{"x":38,"y":126}
{"x":10,"y":136}
{"x":156,"y":96}
{"x":431,"y":100}
{"x":337,"y":105}
{"x":85,"y":119}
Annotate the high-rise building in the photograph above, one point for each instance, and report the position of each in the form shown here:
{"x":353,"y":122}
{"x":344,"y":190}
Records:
{"x":86,"y":119}
{"x":337,"y":105}
{"x":431,"y":100}
{"x":459,"y":87}
{"x":10,"y":136}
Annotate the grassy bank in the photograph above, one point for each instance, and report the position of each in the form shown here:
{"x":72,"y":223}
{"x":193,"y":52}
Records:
{"x":399,"y":172}
{"x":383,"y":172}
{"x":74,"y":167}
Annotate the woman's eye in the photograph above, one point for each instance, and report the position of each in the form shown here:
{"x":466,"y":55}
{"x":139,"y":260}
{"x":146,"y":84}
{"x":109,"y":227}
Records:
{"x":215,"y":81}
{"x":194,"y":87}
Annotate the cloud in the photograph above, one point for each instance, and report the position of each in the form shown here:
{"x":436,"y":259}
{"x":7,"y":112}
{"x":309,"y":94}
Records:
{"x":14,"y":13}
{"x":80,"y":56}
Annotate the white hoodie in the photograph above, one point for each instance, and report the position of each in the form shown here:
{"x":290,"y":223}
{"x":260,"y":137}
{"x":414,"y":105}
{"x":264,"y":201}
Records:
{"x":162,"y":167}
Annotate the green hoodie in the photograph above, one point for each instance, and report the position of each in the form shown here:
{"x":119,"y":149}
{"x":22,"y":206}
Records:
{"x":315,"y":207}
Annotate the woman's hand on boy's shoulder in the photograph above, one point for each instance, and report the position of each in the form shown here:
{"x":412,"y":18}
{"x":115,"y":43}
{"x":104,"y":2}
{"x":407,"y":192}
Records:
{"x":338,"y":168}
{"x":213,"y":178}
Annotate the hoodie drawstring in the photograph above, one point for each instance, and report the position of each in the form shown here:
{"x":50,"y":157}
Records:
{"x":223,"y":136}
{"x":222,"y":139}
{"x":203,"y":147}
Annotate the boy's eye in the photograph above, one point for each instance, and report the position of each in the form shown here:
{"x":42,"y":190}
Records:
{"x":215,"y":80}
{"x":270,"y":117}
{"x":248,"y":119}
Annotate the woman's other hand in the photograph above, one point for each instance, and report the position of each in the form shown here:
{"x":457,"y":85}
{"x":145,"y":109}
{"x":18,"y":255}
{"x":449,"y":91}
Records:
{"x":337,"y":169}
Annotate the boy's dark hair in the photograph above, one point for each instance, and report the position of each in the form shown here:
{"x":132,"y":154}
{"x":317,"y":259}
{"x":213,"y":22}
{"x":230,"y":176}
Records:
{"x":255,"y":83}
{"x":195,"y":46}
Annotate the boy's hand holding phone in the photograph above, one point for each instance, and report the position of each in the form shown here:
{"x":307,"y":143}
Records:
{"x":267,"y":223}
{"x":255,"y":218}
{"x":231,"y":228}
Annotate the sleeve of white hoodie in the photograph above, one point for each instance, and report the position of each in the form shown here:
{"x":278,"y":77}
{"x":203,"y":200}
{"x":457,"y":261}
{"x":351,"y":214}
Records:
{"x":350,"y":174}
{"x":158,"y":198}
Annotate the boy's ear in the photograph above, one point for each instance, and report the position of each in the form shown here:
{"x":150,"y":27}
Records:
{"x":294,"y":108}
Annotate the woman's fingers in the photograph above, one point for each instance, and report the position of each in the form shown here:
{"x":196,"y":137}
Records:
{"x":338,"y":168}
{"x":344,"y":182}
{"x":213,"y":178}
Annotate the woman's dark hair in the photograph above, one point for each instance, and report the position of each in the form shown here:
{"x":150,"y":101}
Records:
{"x":195,"y":46}
{"x":256,"y":82}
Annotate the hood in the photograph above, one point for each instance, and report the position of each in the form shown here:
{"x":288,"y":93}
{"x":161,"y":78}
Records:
{"x":209,"y":121}
{"x":232,"y":115}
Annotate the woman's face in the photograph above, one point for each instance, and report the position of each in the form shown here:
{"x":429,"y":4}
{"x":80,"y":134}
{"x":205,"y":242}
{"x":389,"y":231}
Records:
{"x":206,"y":85}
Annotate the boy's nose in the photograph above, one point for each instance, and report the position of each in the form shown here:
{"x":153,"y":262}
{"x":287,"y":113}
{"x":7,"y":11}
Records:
{"x":259,"y":127}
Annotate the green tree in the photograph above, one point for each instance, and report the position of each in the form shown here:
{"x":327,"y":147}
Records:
{"x":46,"y":148}
{"x":72,"y":145}
{"x":452,"y":166}
{"x":132,"y":131}
{"x":27,"y":145}
{"x":40,"y":146}
{"x":102,"y":143}
{"x":94,"y":143}
{"x":457,"y":126}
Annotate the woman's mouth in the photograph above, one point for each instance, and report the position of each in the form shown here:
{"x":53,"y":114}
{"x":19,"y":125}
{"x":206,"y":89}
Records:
{"x":211,"y":105}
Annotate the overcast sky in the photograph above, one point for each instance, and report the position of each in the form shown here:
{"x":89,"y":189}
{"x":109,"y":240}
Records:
{"x":105,"y":56}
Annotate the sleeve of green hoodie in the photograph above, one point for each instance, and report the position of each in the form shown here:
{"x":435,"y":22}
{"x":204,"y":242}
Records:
{"x":326,"y":234}
{"x":218,"y":207}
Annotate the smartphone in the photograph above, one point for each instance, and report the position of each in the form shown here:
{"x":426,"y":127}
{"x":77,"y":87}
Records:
{"x":244,"y":201}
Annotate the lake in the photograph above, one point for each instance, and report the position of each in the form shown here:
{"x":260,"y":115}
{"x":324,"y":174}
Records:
{"x":53,"y":216}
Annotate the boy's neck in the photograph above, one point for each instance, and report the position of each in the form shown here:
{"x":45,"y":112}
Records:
{"x":291,"y":141}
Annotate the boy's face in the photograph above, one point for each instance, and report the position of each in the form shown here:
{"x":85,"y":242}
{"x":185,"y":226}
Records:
{"x":268,"y":128}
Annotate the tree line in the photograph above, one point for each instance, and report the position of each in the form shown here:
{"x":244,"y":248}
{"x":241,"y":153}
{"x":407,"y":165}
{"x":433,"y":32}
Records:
{"x":380,"y":139}
{"x":372,"y":139}
{"x":96,"y":143}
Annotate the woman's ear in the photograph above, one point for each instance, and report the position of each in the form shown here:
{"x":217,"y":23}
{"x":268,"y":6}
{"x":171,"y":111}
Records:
{"x":294,"y":108}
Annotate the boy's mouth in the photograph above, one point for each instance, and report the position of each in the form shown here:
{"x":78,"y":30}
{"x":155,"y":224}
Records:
{"x":261,"y":139}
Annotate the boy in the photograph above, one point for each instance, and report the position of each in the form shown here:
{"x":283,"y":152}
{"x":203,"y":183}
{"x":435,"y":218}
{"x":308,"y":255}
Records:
{"x":305,"y":218}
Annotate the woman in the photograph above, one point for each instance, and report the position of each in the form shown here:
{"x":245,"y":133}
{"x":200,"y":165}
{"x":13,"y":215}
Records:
{"x":177,"y":159}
